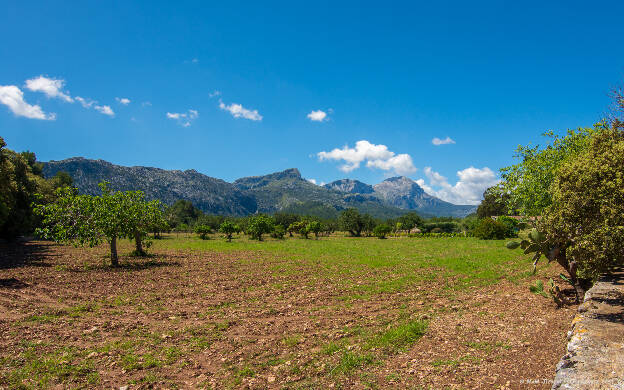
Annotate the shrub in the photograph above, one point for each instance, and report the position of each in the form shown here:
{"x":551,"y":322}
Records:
{"x":488,"y":229}
{"x":278,"y":232}
{"x":202,"y":231}
{"x":315,"y":227}
{"x":259,"y":225}
{"x":382,"y":230}
{"x":228,"y":228}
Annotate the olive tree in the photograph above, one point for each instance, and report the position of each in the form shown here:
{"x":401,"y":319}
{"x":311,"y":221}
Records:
{"x":88,"y":220}
{"x":259,"y":225}
{"x":351,"y":221}
{"x":228,"y":228}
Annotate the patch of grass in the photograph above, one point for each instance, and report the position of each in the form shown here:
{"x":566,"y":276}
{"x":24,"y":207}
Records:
{"x":351,"y":360}
{"x":39,"y":369}
{"x":399,"y":337}
{"x":291,"y":341}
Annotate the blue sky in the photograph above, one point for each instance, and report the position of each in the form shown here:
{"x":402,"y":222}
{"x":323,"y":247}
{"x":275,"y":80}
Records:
{"x":231,"y":88}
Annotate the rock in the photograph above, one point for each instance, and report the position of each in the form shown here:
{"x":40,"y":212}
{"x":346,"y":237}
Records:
{"x":271,"y":379}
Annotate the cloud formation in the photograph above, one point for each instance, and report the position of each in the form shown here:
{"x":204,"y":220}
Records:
{"x":238,"y":111}
{"x":52,"y":88}
{"x":184,"y":119}
{"x":124,"y":101}
{"x":88,"y":103}
{"x":467,"y":190}
{"x":318,"y":116}
{"x":437,"y":141}
{"x":12,"y":97}
{"x":376,"y":156}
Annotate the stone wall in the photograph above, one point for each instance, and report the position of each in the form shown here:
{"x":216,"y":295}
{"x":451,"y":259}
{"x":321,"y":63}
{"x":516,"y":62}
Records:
{"x":595,"y":352}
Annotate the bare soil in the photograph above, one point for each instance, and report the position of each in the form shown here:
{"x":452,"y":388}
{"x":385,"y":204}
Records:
{"x":200,"y":319}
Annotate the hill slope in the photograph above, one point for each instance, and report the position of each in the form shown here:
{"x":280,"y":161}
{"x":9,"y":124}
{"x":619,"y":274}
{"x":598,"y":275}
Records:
{"x":405,"y":193}
{"x":210,"y":195}
{"x":288,"y":191}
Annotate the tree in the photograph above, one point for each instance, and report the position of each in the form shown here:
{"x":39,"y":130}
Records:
{"x":285,"y":219}
{"x":350,"y":220}
{"x":89,"y":220}
{"x":585,"y":222}
{"x":314,"y":227}
{"x":259,"y":225}
{"x":182,"y":212}
{"x":489,"y":229}
{"x":411,"y":220}
{"x":299,"y":227}
{"x":495,"y":202}
{"x":382,"y":230}
{"x":142,"y":216}
{"x":202,"y":231}
{"x":368,"y":224}
{"x":528,"y":182}
{"x":278,"y":232}
{"x":228,"y":228}
{"x":18,"y":186}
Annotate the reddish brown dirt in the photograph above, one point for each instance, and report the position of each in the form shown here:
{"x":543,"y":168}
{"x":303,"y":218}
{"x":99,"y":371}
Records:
{"x":214,"y":320}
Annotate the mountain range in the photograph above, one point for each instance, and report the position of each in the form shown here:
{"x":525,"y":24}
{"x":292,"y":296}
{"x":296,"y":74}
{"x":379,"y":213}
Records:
{"x":285,"y":191}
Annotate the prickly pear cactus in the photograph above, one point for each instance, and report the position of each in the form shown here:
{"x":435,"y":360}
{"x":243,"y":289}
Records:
{"x":536,"y":243}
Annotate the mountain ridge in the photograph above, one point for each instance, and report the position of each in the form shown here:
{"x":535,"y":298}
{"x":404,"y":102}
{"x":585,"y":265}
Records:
{"x":279,"y":191}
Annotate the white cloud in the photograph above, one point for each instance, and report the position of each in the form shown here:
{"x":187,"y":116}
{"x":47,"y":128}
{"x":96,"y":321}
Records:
{"x":313,"y":181}
{"x":318,"y":116}
{"x":124,"y":101}
{"x":376,"y":156}
{"x":88,"y":103}
{"x":184,"y":119}
{"x":437,"y":141}
{"x":50,"y":87}
{"x":238,"y":111}
{"x":13,"y":97}
{"x":214,"y":93}
{"x":106,"y":110}
{"x":467,"y":190}
{"x":146,"y":104}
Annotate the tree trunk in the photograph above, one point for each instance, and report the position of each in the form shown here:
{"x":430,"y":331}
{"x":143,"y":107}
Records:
{"x":138,"y":244}
{"x":570,"y":267}
{"x":113,"y":247}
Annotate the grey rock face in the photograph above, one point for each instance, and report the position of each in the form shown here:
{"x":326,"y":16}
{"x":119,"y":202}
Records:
{"x":350,"y":186}
{"x":210,"y":195}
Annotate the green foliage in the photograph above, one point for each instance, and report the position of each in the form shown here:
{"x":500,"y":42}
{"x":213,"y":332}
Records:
{"x":528,"y":182}
{"x":351,"y":220}
{"x":442,"y":227}
{"x":182,"y":212}
{"x":382,"y":230}
{"x":586,"y":216}
{"x":278,"y":232}
{"x":259,"y":225}
{"x":495,"y":202}
{"x":410,"y":221}
{"x":299,"y":227}
{"x":315,"y":227}
{"x":19,"y":184}
{"x":229,"y":228}
{"x":88,"y":220}
{"x":202,"y":231}
{"x":488,"y":229}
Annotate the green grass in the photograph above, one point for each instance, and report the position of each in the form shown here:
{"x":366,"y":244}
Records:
{"x":388,"y":265}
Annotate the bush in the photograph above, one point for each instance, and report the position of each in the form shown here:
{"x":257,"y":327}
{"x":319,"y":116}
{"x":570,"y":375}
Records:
{"x":278,"y":232}
{"x":202,"y":231}
{"x":259,"y":225}
{"x":228,"y":228}
{"x":488,"y":229}
{"x":382,"y":230}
